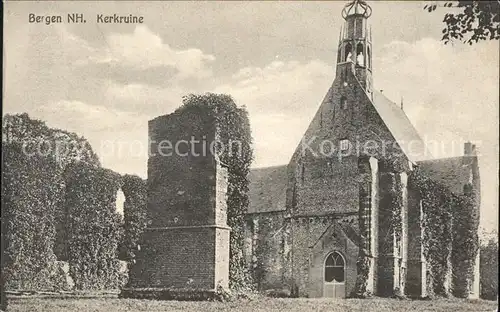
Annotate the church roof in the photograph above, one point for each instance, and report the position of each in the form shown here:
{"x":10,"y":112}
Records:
{"x":452,"y":172}
{"x":267,"y":189}
{"x":400,"y":127}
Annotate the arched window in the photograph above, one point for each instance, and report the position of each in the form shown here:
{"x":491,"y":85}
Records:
{"x":368,"y":57}
{"x":334,"y":268}
{"x":339,"y":55}
{"x":120,"y":200}
{"x":347,"y":51}
{"x":359,"y":54}
{"x":343,"y":102}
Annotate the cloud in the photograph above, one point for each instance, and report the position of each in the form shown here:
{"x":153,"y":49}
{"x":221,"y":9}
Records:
{"x":146,"y":99}
{"x":449,"y":91}
{"x":281,"y":99}
{"x":144,"y":49}
{"x":451,"y":94}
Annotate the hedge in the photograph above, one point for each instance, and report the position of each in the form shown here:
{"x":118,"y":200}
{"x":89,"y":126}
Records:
{"x":58,"y":146}
{"x":62,"y":146}
{"x":32,"y":190}
{"x":94,"y":227}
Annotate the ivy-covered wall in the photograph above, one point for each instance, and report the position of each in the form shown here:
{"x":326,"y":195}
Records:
{"x":32,"y":191}
{"x":449,"y":236}
{"x":94,"y":226}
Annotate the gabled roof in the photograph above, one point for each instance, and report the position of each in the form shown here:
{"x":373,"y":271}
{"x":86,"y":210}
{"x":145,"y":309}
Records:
{"x":267,"y":189}
{"x":400,"y":127}
{"x":453,"y":172}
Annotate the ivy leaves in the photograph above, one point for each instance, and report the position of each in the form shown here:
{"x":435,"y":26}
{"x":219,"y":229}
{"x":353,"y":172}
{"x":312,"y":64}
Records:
{"x":450,"y":240}
{"x":94,"y":226}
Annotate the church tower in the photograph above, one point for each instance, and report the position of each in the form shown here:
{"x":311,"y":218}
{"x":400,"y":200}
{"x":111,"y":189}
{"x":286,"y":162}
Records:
{"x":355,"y":44}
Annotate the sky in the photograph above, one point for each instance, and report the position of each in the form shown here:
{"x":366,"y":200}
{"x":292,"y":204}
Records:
{"x":105,"y":81}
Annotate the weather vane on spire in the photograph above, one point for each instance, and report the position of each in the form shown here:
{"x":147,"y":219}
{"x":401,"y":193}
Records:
{"x":357,"y":7}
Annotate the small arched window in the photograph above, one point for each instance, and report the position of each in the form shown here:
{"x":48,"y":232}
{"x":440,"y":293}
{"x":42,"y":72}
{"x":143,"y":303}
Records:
{"x":368,"y":57}
{"x":343,"y":102}
{"x":359,"y":54}
{"x":347,"y":52}
{"x":334,"y":268}
{"x":344,"y":145}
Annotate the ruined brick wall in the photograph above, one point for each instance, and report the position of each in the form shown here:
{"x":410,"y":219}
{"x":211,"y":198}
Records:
{"x":181,"y":186}
{"x":186,"y":245}
{"x":267,"y":249}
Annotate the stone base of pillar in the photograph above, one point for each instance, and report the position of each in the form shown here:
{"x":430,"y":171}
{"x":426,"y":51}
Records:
{"x":416,"y":279}
{"x":371,"y":286}
{"x":176,"y":261}
{"x":387,"y":276}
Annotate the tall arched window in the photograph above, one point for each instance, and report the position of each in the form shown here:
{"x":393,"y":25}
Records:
{"x":343,"y":102}
{"x":359,"y":54}
{"x":368,"y":57}
{"x":334,"y":268}
{"x":347,"y":51}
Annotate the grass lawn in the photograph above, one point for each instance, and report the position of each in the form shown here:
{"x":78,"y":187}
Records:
{"x":263,"y":304}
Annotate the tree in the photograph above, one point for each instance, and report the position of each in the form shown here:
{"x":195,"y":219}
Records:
{"x":472,"y":22}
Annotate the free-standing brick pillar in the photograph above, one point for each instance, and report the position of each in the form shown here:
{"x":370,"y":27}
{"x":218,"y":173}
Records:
{"x":186,"y":244}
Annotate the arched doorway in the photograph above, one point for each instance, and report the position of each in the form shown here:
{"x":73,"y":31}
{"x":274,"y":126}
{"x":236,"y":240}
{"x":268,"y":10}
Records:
{"x":334,"y":276}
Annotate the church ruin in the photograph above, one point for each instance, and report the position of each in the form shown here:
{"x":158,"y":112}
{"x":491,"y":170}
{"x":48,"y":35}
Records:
{"x":323,"y":225}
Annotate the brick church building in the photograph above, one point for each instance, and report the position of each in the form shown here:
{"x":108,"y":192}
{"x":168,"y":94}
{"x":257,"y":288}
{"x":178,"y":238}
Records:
{"x":306,"y":219}
{"x":344,"y":216}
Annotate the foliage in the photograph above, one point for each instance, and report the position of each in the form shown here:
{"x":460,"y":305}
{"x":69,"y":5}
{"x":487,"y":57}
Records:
{"x":233,"y":127}
{"x":465,"y":242}
{"x":450,"y":235}
{"x":363,"y":260}
{"x":437,"y":205}
{"x":134,"y":214}
{"x":489,"y":269}
{"x":32,"y":191}
{"x":57,"y":146}
{"x":396,"y":195}
{"x":63,"y":146}
{"x":477,"y":21}
{"x":94,"y":227}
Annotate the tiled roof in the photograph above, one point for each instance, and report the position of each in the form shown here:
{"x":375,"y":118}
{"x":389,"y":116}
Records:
{"x":400,"y":127}
{"x":267,"y":190}
{"x":453,"y":172}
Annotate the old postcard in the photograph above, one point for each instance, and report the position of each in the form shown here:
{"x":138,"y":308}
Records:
{"x":250,"y":156}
